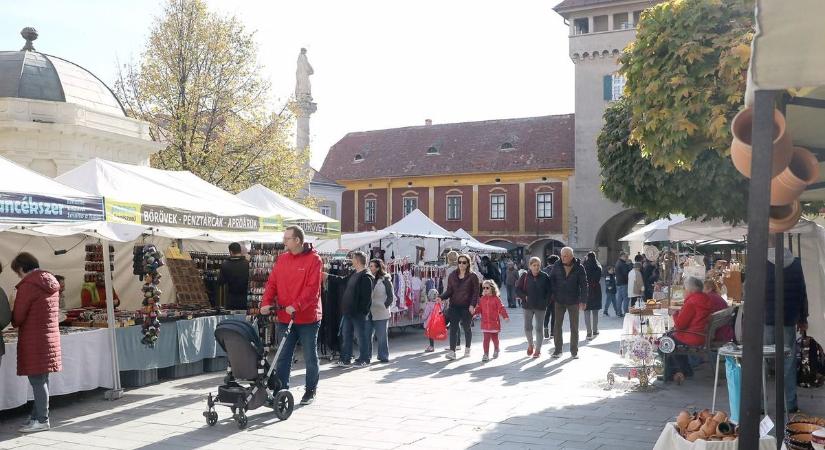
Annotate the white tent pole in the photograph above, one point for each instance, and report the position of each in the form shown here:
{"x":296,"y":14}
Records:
{"x":117,"y":390}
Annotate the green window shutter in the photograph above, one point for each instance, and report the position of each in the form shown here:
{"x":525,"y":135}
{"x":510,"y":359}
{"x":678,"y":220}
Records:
{"x":607,"y":82}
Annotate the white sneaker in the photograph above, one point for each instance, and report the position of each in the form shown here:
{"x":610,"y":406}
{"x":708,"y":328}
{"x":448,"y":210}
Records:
{"x":467,"y":352}
{"x":35,"y":427}
{"x":450,"y":355}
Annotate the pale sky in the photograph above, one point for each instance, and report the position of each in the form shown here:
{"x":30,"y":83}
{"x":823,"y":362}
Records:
{"x":378,"y":64}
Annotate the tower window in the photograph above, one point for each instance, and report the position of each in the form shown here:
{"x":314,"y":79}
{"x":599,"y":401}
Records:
{"x":358,"y":158}
{"x":600,"y":24}
{"x":581,"y":26}
{"x":506,"y":146}
{"x":432,"y":151}
{"x":621,"y":21}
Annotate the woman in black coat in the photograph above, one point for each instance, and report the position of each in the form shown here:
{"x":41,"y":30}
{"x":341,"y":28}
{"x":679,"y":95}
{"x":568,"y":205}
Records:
{"x":594,"y":295}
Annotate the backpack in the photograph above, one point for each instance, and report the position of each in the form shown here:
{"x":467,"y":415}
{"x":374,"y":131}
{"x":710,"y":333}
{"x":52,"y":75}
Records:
{"x":811,"y":369}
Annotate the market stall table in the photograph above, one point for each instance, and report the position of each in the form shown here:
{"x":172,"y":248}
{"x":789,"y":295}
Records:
{"x":671,"y":440}
{"x":87,"y":364}
{"x":180,"y":342}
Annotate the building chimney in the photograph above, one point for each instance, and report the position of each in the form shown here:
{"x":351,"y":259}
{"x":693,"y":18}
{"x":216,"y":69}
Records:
{"x":428,"y":122}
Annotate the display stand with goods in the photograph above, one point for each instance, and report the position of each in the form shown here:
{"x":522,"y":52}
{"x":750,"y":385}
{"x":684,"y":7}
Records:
{"x":209,"y":267}
{"x":93,"y":291}
{"x":152,"y":260}
{"x":189,"y":288}
{"x":805,"y":433}
{"x":262,"y":261}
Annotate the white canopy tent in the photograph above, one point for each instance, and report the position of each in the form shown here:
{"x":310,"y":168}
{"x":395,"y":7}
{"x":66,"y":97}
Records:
{"x":171,"y":204}
{"x":469,"y":243}
{"x":716,"y":230}
{"x":275,"y":204}
{"x":414,"y":230}
{"x":656,"y":231}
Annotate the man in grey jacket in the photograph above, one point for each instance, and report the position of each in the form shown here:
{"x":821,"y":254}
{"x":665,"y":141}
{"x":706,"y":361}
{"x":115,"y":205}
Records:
{"x":355,"y":305}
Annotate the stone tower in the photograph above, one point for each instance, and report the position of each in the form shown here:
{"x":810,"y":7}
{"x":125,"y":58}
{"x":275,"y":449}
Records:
{"x":599,"y":30}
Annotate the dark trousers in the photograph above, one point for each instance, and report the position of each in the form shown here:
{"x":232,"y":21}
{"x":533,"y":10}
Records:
{"x":511,"y":296}
{"x":460,"y":316}
{"x":558,"y":328}
{"x":307,"y":334}
{"x":354,"y":326}
{"x":40,"y":389}
{"x":677,"y":362}
{"x":550,"y":318}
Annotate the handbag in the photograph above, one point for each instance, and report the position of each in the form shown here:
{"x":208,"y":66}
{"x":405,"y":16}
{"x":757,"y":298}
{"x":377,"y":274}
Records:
{"x":5,"y":310}
{"x":436,"y":328}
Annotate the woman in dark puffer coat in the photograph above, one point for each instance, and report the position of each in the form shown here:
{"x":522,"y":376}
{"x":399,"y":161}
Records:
{"x":38,"y":346}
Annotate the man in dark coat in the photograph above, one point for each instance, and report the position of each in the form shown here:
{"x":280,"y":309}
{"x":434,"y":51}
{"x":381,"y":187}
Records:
{"x":234,"y":274}
{"x":622,"y":270}
{"x":491,"y":271}
{"x":796,"y":315}
{"x":569,"y":282}
{"x":355,"y":306}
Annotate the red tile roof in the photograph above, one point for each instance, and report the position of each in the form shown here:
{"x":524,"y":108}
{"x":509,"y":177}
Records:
{"x":545,"y":142}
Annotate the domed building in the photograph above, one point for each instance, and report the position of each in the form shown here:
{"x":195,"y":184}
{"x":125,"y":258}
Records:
{"x":55,"y":115}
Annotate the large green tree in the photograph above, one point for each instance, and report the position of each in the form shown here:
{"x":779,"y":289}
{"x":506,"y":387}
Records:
{"x":711,"y":188}
{"x":199,"y":85}
{"x":686,"y":73}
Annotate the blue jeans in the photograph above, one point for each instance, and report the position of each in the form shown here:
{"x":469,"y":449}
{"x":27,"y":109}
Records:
{"x":379,"y":329}
{"x":308,"y":335}
{"x":352,"y":326}
{"x":790,"y":362}
{"x":621,"y":298}
{"x":611,"y":299}
{"x":40,"y":388}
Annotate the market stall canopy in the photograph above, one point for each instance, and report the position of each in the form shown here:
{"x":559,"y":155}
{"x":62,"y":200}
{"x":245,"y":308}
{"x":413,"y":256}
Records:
{"x":468,"y":242}
{"x":656,"y":231}
{"x":716,"y":230}
{"x":29,"y":197}
{"x":174,"y":204}
{"x":787,"y":53}
{"x":417,"y":224}
{"x":274,"y":204}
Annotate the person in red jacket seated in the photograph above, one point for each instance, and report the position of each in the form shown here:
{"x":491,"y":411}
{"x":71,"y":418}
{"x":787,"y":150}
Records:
{"x":35,"y":314}
{"x":689,"y":328}
{"x":295,"y":287}
{"x":725,"y":332}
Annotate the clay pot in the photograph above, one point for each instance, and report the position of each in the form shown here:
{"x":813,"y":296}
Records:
{"x":709,"y":428}
{"x":705,"y":415}
{"x":801,"y":172}
{"x":783,"y":218}
{"x":694,"y":425}
{"x":724,"y":429}
{"x":693,"y":437}
{"x":682,"y":420}
{"x":729,"y":438}
{"x":740,"y":149}
{"x":720,"y":417}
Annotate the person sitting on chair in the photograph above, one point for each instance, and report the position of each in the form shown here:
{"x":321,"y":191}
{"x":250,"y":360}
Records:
{"x":689,"y":328}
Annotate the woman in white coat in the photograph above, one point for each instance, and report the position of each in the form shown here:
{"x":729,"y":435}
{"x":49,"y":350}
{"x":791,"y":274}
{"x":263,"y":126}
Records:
{"x":635,"y":285}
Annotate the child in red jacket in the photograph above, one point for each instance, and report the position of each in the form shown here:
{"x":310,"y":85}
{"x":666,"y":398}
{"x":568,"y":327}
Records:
{"x":490,"y":309}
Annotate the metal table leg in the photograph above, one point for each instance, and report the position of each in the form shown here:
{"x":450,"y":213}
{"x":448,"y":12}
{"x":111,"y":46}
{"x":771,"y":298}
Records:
{"x":715,"y":383}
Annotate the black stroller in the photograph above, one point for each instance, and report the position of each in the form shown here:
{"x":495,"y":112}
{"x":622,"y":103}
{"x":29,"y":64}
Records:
{"x":248,"y":362}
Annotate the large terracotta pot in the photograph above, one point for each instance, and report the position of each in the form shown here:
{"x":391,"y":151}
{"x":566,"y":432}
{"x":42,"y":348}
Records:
{"x":784,"y":217}
{"x":740,"y":149}
{"x":801,"y":172}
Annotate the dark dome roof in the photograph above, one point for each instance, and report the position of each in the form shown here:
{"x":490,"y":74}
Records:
{"x":38,"y":76}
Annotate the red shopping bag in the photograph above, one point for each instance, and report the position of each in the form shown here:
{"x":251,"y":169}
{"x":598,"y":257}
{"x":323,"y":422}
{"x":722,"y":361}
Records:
{"x":436,"y":327}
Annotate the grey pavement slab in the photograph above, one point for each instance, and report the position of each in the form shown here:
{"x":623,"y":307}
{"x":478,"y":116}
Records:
{"x":418,"y":401}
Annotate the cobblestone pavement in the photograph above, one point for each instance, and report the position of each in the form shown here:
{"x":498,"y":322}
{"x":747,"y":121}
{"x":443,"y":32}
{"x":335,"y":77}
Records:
{"x":419,"y":400}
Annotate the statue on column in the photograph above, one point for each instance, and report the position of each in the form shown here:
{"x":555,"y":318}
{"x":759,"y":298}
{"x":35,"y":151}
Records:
{"x":303,"y":89}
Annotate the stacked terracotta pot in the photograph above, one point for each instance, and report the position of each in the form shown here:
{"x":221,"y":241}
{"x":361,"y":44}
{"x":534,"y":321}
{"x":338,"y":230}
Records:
{"x":705,"y":425}
{"x":793,"y":168}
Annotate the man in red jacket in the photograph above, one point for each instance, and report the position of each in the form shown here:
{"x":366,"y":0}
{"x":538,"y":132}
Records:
{"x":295,"y":287}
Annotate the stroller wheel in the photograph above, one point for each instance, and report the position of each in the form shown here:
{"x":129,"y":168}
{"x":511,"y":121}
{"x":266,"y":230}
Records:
{"x":242,"y":420}
{"x":211,"y":418}
{"x":284,"y":404}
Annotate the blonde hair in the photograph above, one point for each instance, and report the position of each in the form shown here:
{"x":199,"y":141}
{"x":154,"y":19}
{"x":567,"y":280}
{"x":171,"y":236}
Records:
{"x":711,"y":285}
{"x":534,"y":259}
{"x":493,"y":287}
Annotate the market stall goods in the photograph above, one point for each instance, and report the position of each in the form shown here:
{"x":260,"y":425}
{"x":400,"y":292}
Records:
{"x":152,"y":261}
{"x":705,"y":425}
{"x":799,"y":432}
